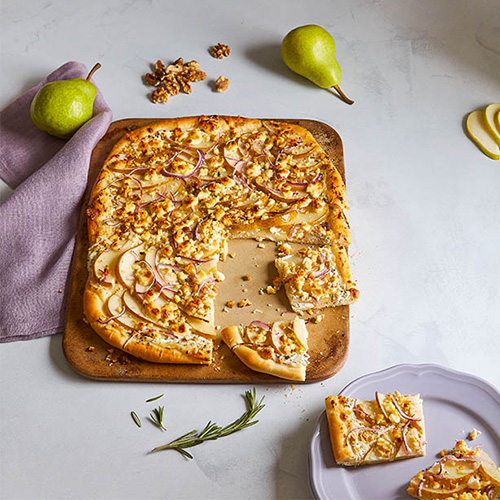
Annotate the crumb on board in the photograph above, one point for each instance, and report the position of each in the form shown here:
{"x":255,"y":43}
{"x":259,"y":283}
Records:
{"x":232,"y":255}
{"x":230,"y":304}
{"x":60,"y":290}
{"x":261,"y":245}
{"x":317,"y":319}
{"x":91,"y":348}
{"x":246,"y":277}
{"x":244,"y":303}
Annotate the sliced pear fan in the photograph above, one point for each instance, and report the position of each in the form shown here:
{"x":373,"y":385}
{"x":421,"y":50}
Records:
{"x":479,"y":133}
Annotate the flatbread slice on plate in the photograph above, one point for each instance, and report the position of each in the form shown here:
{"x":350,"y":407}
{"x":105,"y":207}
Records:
{"x":390,"y":427}
{"x":278,"y":349}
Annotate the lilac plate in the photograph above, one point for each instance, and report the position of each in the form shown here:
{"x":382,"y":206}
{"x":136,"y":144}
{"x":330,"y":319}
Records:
{"x":454,"y":404}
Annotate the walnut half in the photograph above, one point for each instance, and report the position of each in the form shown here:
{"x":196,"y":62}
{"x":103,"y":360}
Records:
{"x":221,"y":84}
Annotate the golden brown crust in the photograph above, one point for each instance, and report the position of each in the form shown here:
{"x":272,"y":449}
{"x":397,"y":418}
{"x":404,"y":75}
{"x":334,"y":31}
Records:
{"x":338,"y":429}
{"x":251,"y":358}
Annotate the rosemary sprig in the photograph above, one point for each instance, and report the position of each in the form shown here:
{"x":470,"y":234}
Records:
{"x":212,"y":431}
{"x":150,"y":400}
{"x":136,"y":419}
{"x":156,"y":417}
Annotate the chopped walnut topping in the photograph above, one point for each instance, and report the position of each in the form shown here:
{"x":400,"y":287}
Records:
{"x":220,"y":51}
{"x":221,"y":84}
{"x":175,"y":78}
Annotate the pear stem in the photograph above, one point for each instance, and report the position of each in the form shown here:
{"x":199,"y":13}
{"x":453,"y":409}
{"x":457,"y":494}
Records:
{"x":93,"y":70}
{"x":342,"y":95}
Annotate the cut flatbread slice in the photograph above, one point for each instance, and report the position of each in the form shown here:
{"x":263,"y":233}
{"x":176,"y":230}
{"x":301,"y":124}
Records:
{"x":278,"y":349}
{"x":316,"y":277}
{"x":367,"y":432}
{"x":174,"y":342}
{"x":462,"y":473}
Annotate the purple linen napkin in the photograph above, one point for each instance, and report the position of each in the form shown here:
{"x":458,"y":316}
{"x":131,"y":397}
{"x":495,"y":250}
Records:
{"x":39,"y":219}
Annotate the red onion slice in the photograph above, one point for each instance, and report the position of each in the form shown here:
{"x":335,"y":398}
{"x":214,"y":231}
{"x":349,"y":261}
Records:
{"x":276,"y":194}
{"x":114,"y":223}
{"x":205,"y":282}
{"x":403,"y":435}
{"x":121,"y":179}
{"x":199,"y":261}
{"x":201,"y":160}
{"x":112,"y":318}
{"x":362,"y":412}
{"x":142,"y":289}
{"x":402,"y":413}
{"x":419,"y":488}
{"x":261,"y":324}
{"x":321,"y":273}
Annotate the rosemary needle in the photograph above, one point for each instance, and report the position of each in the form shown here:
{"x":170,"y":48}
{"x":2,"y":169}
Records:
{"x":154,"y":399}
{"x":212,"y":431}
{"x":137,"y":420}
{"x":156,"y":417}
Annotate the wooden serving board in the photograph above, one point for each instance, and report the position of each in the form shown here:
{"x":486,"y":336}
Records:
{"x":94,"y":358}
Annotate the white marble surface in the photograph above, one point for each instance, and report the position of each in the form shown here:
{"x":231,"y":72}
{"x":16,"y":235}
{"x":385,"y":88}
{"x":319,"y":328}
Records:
{"x":425,"y":215}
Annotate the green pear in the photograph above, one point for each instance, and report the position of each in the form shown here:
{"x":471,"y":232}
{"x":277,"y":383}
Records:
{"x":60,"y":108}
{"x":310,"y":51}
